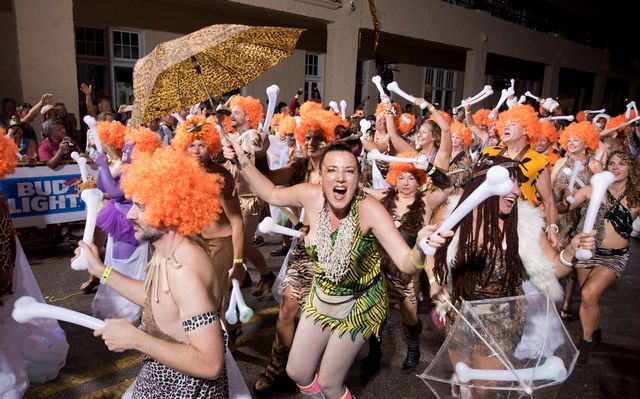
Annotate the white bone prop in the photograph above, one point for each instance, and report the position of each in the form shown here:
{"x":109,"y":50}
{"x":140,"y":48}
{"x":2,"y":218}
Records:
{"x":577,"y":168}
{"x":631,"y":105}
{"x":246,"y":313}
{"x":420,"y":162}
{"x":377,"y":80}
{"x":522,"y":99}
{"x":393,"y":87}
{"x":552,"y":369}
{"x":82,"y":163}
{"x":506,"y":93}
{"x":268,"y":225}
{"x":91,"y":123}
{"x":600,"y":182}
{"x":484,"y":93}
{"x":334,"y":106}
{"x":365,"y":125}
{"x":91,"y":198}
{"x":497,"y":182}
{"x":569,"y":118}
{"x":343,"y":109}
{"x":272,"y":93}
{"x":27,"y":308}
{"x":230,"y":314}
{"x":595,"y":111}
{"x":18,"y":155}
{"x":567,"y":171}
{"x":528,"y":94}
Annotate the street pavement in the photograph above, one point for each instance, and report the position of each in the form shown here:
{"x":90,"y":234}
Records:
{"x":92,"y":371}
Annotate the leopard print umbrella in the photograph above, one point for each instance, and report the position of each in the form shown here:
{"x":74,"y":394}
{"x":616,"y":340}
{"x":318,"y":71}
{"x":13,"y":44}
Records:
{"x":208,"y":62}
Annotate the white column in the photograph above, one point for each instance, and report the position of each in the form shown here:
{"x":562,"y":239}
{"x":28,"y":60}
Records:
{"x":341,"y":61}
{"x":597,"y":98}
{"x":551,"y":80}
{"x":474,"y":70}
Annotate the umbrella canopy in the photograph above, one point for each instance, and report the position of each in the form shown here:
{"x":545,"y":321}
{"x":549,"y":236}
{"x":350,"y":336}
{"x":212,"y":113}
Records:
{"x":506,"y":347}
{"x":208,"y":62}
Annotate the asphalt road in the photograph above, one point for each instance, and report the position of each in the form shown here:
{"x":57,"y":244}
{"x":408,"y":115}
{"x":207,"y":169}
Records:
{"x":94,"y":372}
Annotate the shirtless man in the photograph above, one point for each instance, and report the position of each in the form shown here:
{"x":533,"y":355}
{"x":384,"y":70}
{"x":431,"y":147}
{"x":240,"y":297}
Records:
{"x":181,"y":339}
{"x":223,"y":237}
{"x":246,"y":113}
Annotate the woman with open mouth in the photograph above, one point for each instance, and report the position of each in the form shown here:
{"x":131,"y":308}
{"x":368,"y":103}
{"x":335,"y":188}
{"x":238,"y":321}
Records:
{"x":347,"y":302}
{"x":614,"y":225}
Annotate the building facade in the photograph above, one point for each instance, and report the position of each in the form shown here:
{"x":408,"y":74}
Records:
{"x":432,"y":48}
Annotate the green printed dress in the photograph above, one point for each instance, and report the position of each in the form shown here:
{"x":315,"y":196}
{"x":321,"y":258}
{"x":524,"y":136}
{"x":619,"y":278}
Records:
{"x":364,"y":273}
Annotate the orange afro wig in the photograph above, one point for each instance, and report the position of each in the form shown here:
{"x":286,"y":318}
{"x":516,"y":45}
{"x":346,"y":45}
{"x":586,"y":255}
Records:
{"x":617,"y":121}
{"x":144,"y":139}
{"x":549,"y":131}
{"x":396,"y":169}
{"x":407,"y":122}
{"x":526,"y":116}
{"x":581,"y":116}
{"x":396,"y":119}
{"x":111,"y":133}
{"x":287,"y":125}
{"x":8,"y":158}
{"x":309,"y":106}
{"x":585,"y":131}
{"x":481,"y":117}
{"x":197,"y":128}
{"x":321,"y":121}
{"x":460,"y":129}
{"x":224,"y":119}
{"x":183,"y":197}
{"x":446,"y":117}
{"x":275,"y":120}
{"x":251,"y":106}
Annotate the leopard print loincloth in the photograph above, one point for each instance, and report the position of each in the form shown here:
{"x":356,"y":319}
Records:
{"x":157,"y":381}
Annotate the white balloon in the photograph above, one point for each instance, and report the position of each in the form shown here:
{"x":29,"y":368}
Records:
{"x":27,"y":308}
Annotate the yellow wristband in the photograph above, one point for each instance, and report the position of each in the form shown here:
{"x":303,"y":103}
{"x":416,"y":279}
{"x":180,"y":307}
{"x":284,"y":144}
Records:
{"x":238,"y":261}
{"x":416,"y":265}
{"x":105,"y":274}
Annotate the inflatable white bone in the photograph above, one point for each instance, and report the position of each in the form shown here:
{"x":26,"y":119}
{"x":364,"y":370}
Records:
{"x":484,"y":93}
{"x":334,"y":106}
{"x":420,"y":162}
{"x":595,"y":111}
{"x":82,"y":163}
{"x":365,"y":125}
{"x":377,"y":80}
{"x":272,"y":94}
{"x":600,"y":182}
{"x":528,"y":94}
{"x":27,"y":308}
{"x":268,"y":225}
{"x":573,"y":179}
{"x":631,"y":105}
{"x":497,"y":182}
{"x":522,"y":99}
{"x":343,"y":110}
{"x":91,"y":198}
{"x":569,"y":118}
{"x":552,"y":369}
{"x":237,"y":302}
{"x":91,"y":123}
{"x":505,"y":94}
{"x":393,"y":87}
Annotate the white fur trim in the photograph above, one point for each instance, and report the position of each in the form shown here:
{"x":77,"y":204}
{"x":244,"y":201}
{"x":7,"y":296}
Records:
{"x":539,"y":267}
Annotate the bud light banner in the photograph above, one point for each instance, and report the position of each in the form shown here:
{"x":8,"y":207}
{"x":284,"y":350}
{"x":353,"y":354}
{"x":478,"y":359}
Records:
{"x":40,"y":195}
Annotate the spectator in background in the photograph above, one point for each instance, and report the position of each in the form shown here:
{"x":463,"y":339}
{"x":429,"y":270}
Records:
{"x":165,"y":131}
{"x":26,"y":145}
{"x":8,"y":111}
{"x":57,"y":146}
{"x":27,"y":113}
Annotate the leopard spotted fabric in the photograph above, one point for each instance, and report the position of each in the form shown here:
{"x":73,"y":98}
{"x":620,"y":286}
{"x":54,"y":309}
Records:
{"x":7,"y":250}
{"x":199,"y":321}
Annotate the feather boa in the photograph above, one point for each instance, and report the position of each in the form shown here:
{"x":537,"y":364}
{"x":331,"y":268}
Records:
{"x":539,"y":268}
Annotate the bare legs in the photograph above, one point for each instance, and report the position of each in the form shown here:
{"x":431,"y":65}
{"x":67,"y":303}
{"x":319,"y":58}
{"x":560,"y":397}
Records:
{"x":594,"y":283}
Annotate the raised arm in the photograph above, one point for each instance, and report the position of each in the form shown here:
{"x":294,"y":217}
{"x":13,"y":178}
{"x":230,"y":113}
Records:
{"x":443,"y":157}
{"x":563,"y":259}
{"x":399,"y":144}
{"x":91,"y":108}
{"x":481,"y":133}
{"x":33,"y":112}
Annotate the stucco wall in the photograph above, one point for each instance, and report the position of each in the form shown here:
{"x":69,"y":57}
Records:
{"x":10,"y":82}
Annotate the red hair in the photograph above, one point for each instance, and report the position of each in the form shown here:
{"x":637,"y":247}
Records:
{"x":460,"y":129}
{"x":197,"y":128}
{"x":526,"y":116}
{"x":585,"y":131}
{"x":404,"y":126}
{"x":111,"y":133}
{"x":252,"y":107}
{"x":8,"y":157}
{"x":617,"y":121}
{"x":549,"y":131}
{"x":446,"y":116}
{"x":481,"y":117}
{"x":396,"y":169}
{"x":175,"y":191}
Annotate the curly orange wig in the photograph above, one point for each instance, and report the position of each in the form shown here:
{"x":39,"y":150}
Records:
{"x":632,"y":114}
{"x":197,"y":128}
{"x":581,"y":116}
{"x":275,"y":120}
{"x":549,"y":131}
{"x":144,"y":139}
{"x":396,"y":119}
{"x":321,"y":121}
{"x":446,"y":117}
{"x":460,"y":129}
{"x":481,"y":117}
{"x":182,"y":197}
{"x":526,"y":116}
{"x":406,"y":123}
{"x":251,"y":106}
{"x":617,"y":121}
{"x":111,"y":133}
{"x":225,"y":120}
{"x":396,"y":169}
{"x":585,"y":131}
{"x":287,"y":125}
{"x":309,"y":106}
{"x":8,"y":158}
